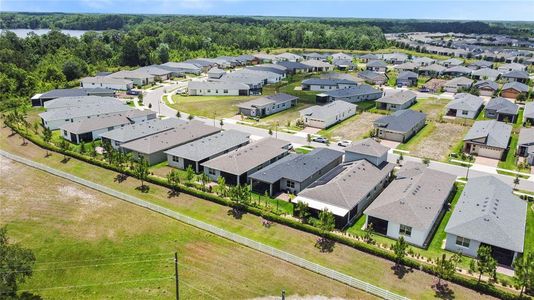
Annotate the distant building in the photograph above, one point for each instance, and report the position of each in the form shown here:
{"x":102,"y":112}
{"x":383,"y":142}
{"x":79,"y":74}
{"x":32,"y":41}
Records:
{"x":328,"y":114}
{"x":267,"y":105}
{"x":400,"y":126}
{"x":397,"y":101}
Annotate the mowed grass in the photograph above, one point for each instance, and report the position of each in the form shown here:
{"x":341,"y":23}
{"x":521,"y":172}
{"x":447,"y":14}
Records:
{"x":353,"y":128}
{"x":432,"y":107}
{"x":209,"y":106}
{"x":91,"y":245}
{"x":510,"y":163}
{"x":415,"y":284}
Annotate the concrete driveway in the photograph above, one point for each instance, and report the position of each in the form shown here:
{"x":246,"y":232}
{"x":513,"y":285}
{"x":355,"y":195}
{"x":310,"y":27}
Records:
{"x":490,"y":162}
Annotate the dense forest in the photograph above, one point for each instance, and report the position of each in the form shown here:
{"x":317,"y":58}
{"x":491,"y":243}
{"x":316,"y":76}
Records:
{"x":38,"y":63}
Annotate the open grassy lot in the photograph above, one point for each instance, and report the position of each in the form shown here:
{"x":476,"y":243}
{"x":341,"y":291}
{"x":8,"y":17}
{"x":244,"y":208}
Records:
{"x":283,"y":118}
{"x":353,"y":128}
{"x":432,"y":107}
{"x":529,"y":242}
{"x":83,"y":237}
{"x":209,"y":106}
{"x":510,"y":162}
{"x":415,"y":284}
{"x":435,"y":140}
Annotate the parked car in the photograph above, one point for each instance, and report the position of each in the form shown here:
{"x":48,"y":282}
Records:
{"x":344,"y":143}
{"x":133,"y":92}
{"x":320,"y":139}
{"x":424,"y":90}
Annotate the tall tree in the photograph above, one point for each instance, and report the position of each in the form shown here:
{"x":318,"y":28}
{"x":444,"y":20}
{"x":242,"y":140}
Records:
{"x":484,"y":263}
{"x":173,"y":178}
{"x":399,"y":248}
{"x":445,"y":268}
{"x":16,"y":265}
{"x":141,"y":171}
{"x":524,"y":272}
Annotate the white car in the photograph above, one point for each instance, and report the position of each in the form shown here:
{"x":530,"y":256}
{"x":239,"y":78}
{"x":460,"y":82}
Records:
{"x":320,"y":139}
{"x":344,"y":143}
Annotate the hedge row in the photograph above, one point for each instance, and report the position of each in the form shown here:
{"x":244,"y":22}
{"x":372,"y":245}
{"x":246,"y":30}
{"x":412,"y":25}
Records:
{"x":362,"y":246}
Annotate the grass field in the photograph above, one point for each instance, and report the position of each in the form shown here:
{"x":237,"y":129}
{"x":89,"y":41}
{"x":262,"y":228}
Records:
{"x":432,"y":107}
{"x":84,"y":238}
{"x":353,"y":128}
{"x":414,"y":284}
{"x":435,"y":140}
{"x":209,"y":106}
{"x":510,"y":163}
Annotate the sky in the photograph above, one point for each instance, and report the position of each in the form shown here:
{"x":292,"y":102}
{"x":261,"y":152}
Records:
{"x":509,"y":10}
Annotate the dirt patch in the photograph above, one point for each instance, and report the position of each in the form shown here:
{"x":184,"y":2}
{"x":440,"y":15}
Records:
{"x":438,"y":143}
{"x":356,"y":127}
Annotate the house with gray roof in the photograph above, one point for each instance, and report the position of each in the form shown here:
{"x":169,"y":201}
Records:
{"x":343,"y":64}
{"x":486,"y":74}
{"x":342,"y":56}
{"x":237,"y":165}
{"x":295,"y":172}
{"x":138,"y":77}
{"x":318,"y":65}
{"x":40,"y":99}
{"x":135,"y":131}
{"x":372,"y":77}
{"x":424,"y":61}
{"x":399,"y":126}
{"x":481,"y":64}
{"x":516,"y":76}
{"x":292,"y":57}
{"x":395,"y":58}
{"x":457,"y":71}
{"x":512,"y":67}
{"x":528,"y":114}
{"x":412,"y":205}
{"x":159,"y":73}
{"x":75,"y":101}
{"x":512,"y":90}
{"x":502,"y":110}
{"x":397,"y":100}
{"x":487,"y":87}
{"x":327,"y":115}
{"x":451,"y":62}
{"x":294,"y":67}
{"x":367,"y":149}
{"x":106,"y":82}
{"x":378,"y":66}
{"x":407,"y":78}
{"x":315,"y":56}
{"x":267,"y":105}
{"x":464,"y":106}
{"x":354,"y":94}
{"x":195,"y":153}
{"x":432,"y":70}
{"x":215,"y":73}
{"x":368,"y":57}
{"x":217,"y":88}
{"x":407,"y":66}
{"x":179,"y":69}
{"x":488,"y":138}
{"x":346,"y":190}
{"x":456,"y":84}
{"x":525,"y":144}
{"x":326,"y":84}
{"x":86,"y":130}
{"x":488,"y":213}
{"x":152,"y":148}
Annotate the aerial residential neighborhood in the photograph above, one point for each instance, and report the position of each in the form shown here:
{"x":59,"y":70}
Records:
{"x":161,"y":154}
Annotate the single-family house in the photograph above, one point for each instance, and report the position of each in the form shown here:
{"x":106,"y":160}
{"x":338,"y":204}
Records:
{"x":512,"y":67}
{"x":367,"y":149}
{"x":342,"y":56}
{"x":432,"y":70}
{"x":86,"y":130}
{"x":267,"y":105}
{"x":397,"y":101}
{"x":346,"y":190}
{"x":294,"y":67}
{"x":513,"y":89}
{"x":237,"y":165}
{"x":502,"y":110}
{"x":295,"y":172}
{"x":456,"y":84}
{"x":292,"y":57}
{"x":315,"y":56}
{"x":318,"y":65}
{"x":525,"y":144}
{"x":528,"y":114}
{"x":378,"y":66}
{"x":216,"y":73}
{"x":343,"y":64}
{"x":407,"y":78}
{"x":135,"y":131}
{"x":217,"y":88}
{"x":138,"y":77}
{"x":326,"y":84}
{"x":40,"y":99}
{"x":486,"y":74}
{"x":327,"y":115}
{"x":424,"y":61}
{"x":489,"y":214}
{"x":368,"y":57}
{"x":106,"y":82}
{"x":481,"y":64}
{"x":196,"y":152}
{"x":434,"y":85}
{"x":517,"y":76}
{"x":488,"y":139}
{"x":152,"y":148}
{"x":412,"y":205}
{"x":396,"y":58}
{"x":181,"y":68}
{"x":464,"y":106}
{"x":451,"y":62}
{"x":487,"y":87}
{"x":354,"y":94}
{"x":399,"y":126}
{"x":407,"y":66}
{"x":457,"y":71}
{"x":372,"y":77}
{"x":160,"y":74}
{"x":265,"y":58}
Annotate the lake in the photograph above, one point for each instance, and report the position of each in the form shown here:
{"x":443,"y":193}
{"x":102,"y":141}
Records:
{"x":24,"y":32}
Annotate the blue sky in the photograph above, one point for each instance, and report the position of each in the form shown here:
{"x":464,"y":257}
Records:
{"x":513,"y":10}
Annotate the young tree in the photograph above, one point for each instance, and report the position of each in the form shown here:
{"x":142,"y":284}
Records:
{"x":221,"y":122}
{"x":173,"y":178}
{"x":516,"y":181}
{"x":221,"y":187}
{"x":108,"y":152}
{"x":426,"y":161}
{"x":47,"y":137}
{"x":189,"y":173}
{"x":399,"y":248}
{"x":140,"y":97}
{"x":369,"y":230}
{"x":484,"y":263}
{"x":309,"y":138}
{"x":140,"y":171}
{"x":445,"y":268}
{"x":303,"y":211}
{"x":270,"y":132}
{"x":92,"y":149}
{"x":178,"y":114}
{"x":16,"y":265}
{"x":524,"y":272}
{"x":82,"y":147}
{"x":64,"y":146}
{"x":190,"y":117}
{"x":204,"y":179}
{"x":326,"y":221}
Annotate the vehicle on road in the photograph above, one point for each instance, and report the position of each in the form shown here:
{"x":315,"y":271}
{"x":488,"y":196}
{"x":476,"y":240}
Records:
{"x":344,"y":143}
{"x":320,"y":139}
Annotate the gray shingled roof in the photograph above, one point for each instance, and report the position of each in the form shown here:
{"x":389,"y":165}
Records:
{"x":489,"y":212}
{"x":327,"y":81}
{"x":229,"y":85}
{"x":465,"y":101}
{"x":401,"y":120}
{"x":248,"y":157}
{"x":140,"y":130}
{"x":293,"y":65}
{"x":371,"y":75}
{"x":458,"y":69}
{"x":83,"y":110}
{"x":407,"y":75}
{"x":76,"y":92}
{"x":368,"y":147}
{"x":529,"y":110}
{"x":487,"y":83}
{"x":181,"y":134}
{"x":362,"y":89}
{"x":433,"y":68}
{"x":297,"y":167}
{"x":518,"y":86}
{"x":415,"y":198}
{"x":101,"y":122}
{"x":328,"y":110}
{"x":210,"y":145}
{"x":503,"y":106}
{"x":497,"y":134}
{"x":482,"y":64}
{"x":526,"y":136}
{"x":267,"y":100}
{"x":486,"y":72}
{"x":62,"y":102}
{"x":516,"y":74}
{"x":341,"y":189}
{"x":398,"y":98}
{"x":459,"y":81}
{"x":376,"y":64}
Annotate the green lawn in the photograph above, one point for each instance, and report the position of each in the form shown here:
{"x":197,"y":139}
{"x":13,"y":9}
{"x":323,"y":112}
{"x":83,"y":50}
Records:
{"x":510,"y":162}
{"x":433,"y":107}
{"x":419,"y":137}
{"x":209,"y":106}
{"x":529,"y":241}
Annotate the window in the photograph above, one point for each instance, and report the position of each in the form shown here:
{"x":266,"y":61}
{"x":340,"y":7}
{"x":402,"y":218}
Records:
{"x":405,"y":230}
{"x":290,"y":184}
{"x":322,"y":86}
{"x":175,"y":158}
{"x":461,"y":241}
{"x":64,"y":132}
{"x":211,"y":171}
{"x":225,"y":91}
{"x":465,"y":112}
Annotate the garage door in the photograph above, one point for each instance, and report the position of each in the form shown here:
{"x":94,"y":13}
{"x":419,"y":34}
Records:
{"x":489,"y":152}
